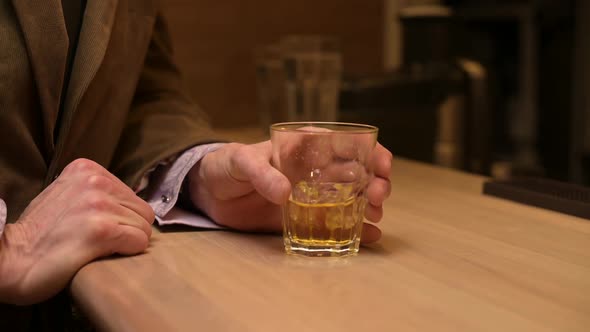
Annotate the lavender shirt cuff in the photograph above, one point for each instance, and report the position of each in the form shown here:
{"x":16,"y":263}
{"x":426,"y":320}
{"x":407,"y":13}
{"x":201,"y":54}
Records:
{"x":2,"y":216}
{"x":163,"y":200}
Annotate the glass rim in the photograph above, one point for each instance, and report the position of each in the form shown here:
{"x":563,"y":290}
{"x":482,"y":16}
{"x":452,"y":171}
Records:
{"x":354,"y":128}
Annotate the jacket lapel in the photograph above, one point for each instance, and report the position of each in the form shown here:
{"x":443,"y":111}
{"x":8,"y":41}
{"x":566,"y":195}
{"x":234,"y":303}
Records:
{"x":46,"y":38}
{"x":92,"y":45}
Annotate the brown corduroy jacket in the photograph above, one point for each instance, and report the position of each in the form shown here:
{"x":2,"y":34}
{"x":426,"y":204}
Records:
{"x":124,"y":107}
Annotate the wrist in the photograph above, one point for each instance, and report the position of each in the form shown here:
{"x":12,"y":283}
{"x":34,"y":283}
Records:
{"x":195,"y":184}
{"x":12,"y":266}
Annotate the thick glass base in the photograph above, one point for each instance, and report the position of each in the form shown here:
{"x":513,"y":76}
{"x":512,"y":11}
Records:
{"x":307,"y":249}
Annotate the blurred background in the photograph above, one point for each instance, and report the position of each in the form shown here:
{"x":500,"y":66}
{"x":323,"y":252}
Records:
{"x":490,"y":87}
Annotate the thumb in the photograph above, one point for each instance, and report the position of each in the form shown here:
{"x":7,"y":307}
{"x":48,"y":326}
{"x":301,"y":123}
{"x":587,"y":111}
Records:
{"x":252,"y":163}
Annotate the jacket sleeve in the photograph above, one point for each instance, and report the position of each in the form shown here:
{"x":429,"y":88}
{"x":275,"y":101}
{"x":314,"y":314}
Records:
{"x":163,"y":120}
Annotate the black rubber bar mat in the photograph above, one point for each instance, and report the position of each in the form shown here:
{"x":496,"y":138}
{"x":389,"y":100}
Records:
{"x":544,"y":193}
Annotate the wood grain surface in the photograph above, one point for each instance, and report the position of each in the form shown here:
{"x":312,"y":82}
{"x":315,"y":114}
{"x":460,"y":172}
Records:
{"x":450,"y":259}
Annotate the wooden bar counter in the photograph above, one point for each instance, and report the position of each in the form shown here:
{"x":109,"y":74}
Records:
{"x":451,"y":259}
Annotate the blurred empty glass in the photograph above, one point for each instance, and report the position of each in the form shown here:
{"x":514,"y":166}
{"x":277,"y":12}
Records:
{"x":327,"y":164}
{"x":270,"y":82}
{"x":298,"y":79}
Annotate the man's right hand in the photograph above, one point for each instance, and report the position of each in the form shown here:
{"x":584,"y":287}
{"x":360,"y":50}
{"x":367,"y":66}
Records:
{"x":86,"y":213}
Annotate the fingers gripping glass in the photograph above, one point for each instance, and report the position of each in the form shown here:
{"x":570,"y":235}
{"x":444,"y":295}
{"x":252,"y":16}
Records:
{"x":327,"y":164}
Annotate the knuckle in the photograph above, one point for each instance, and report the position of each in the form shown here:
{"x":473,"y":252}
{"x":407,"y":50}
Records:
{"x":242,"y":152}
{"x":82,"y":165}
{"x":144,"y":242}
{"x":389,"y":156}
{"x":383,"y":184}
{"x":97,"y":201}
{"x":240,"y":156}
{"x":149,"y":212}
{"x":140,"y":243}
{"x":374,"y":213}
{"x":387,"y":188}
{"x":101,"y":230}
{"x":231,"y":148}
{"x":98,"y":182}
{"x":129,"y":243}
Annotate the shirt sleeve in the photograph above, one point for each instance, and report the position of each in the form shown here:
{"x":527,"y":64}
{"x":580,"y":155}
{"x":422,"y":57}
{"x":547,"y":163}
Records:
{"x":2,"y":216}
{"x":166,"y":189}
